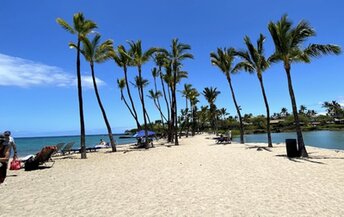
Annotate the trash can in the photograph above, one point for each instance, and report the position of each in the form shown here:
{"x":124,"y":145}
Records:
{"x":292,"y":149}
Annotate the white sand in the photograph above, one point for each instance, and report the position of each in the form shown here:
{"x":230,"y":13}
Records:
{"x":197,"y":178}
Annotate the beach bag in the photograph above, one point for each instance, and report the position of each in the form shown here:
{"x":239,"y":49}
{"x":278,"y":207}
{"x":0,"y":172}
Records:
{"x":15,"y":165}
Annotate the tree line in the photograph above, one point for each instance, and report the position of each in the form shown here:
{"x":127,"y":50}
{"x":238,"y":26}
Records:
{"x":168,"y":72}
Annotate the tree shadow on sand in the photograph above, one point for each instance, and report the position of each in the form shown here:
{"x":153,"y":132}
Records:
{"x":259,"y":148}
{"x":310,"y":158}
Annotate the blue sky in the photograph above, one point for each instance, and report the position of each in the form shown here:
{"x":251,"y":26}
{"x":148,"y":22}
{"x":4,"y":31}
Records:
{"x":37,"y":69}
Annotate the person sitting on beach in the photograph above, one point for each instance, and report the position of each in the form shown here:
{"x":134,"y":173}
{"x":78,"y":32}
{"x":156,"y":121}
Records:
{"x":102,"y":142}
{"x":5,"y":151}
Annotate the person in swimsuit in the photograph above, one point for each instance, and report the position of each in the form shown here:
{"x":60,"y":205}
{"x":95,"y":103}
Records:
{"x":5,"y":151}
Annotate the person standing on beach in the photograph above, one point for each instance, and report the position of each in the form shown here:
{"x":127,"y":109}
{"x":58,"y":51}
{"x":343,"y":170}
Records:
{"x":5,"y":151}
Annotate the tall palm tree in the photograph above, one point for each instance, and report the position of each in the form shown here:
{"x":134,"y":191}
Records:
{"x":140,"y":57}
{"x":96,"y":52}
{"x":160,"y":59}
{"x":288,"y":42}
{"x":141,"y":83}
{"x":81,"y":27}
{"x":157,"y":94}
{"x":210,"y":95}
{"x":122,"y":58}
{"x":121,"y":85}
{"x":178,"y":53}
{"x":193,"y":97}
{"x":186,"y":92}
{"x":155,"y":97}
{"x":254,"y":61}
{"x":223,"y":59}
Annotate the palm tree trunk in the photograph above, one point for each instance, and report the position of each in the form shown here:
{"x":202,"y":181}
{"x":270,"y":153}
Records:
{"x":165,"y":97}
{"x":300,"y":141}
{"x":174,"y":99}
{"x":112,"y":141}
{"x":157,"y":102}
{"x":130,"y":98}
{"x":238,"y":111}
{"x":171,"y":124}
{"x":267,"y":111}
{"x":126,"y":104}
{"x":81,"y":109}
{"x":143,"y":107}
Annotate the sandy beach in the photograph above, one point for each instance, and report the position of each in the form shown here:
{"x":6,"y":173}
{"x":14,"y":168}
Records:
{"x":197,"y":178}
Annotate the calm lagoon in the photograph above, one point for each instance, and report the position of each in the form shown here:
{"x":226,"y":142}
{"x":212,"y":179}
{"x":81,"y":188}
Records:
{"x":321,"y":139}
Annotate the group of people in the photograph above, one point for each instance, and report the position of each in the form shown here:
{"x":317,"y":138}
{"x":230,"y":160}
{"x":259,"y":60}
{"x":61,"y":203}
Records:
{"x":6,"y":144}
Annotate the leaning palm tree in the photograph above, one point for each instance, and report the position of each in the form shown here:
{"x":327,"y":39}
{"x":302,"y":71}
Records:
{"x":81,"y":28}
{"x":178,"y":53}
{"x":157,"y":94}
{"x":223,"y":59}
{"x":155,"y":97}
{"x":210,"y":95}
{"x":288,"y":49}
{"x":160,"y":59}
{"x":122,"y":58}
{"x":254,"y":61}
{"x":140,"y":57}
{"x":121,"y":85}
{"x":96,"y":52}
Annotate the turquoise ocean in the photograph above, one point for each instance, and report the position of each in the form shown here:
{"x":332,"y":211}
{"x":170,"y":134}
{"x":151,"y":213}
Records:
{"x":32,"y":145}
{"x":320,"y":139}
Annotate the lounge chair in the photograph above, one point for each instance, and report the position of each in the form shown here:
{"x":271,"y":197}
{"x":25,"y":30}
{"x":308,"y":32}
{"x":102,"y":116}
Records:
{"x":90,"y":149}
{"x":68,"y":148}
{"x":59,"y":146}
{"x":40,"y":158}
{"x":223,"y":140}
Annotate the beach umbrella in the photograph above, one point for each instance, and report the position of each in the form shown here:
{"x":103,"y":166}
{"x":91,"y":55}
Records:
{"x":141,"y":133}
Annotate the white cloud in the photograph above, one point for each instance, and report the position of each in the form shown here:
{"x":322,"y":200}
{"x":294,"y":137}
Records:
{"x":20,"y":72}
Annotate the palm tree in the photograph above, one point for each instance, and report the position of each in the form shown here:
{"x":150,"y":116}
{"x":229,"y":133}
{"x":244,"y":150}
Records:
{"x":303,"y":109}
{"x":254,"y":61}
{"x":123,"y":60}
{"x":81,"y":28}
{"x":223,"y":59}
{"x":121,"y":85}
{"x":193,"y":97}
{"x":284,"y":112}
{"x":178,"y":53}
{"x":210,"y":95}
{"x":334,"y":109}
{"x":140,"y":57}
{"x":158,"y":94}
{"x":141,"y":83}
{"x":186,"y":93}
{"x":288,"y":49}
{"x":155,"y":97}
{"x":94,"y":52}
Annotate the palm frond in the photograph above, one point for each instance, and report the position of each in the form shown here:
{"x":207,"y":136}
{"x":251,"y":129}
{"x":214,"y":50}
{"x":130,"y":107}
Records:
{"x":65,"y":25}
{"x":315,"y":50}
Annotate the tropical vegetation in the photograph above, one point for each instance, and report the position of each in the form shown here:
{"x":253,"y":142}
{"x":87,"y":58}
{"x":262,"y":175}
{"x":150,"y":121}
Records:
{"x":167,"y":74}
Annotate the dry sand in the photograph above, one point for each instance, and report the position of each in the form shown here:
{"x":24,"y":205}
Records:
{"x":197,"y":178}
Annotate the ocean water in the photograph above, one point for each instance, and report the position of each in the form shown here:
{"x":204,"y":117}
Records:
{"x":321,"y":139}
{"x":32,"y":145}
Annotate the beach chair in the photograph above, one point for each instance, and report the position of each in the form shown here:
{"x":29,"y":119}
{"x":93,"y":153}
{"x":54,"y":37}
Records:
{"x":68,"y":148}
{"x":223,"y":140}
{"x":59,"y":146}
{"x":40,"y":158}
